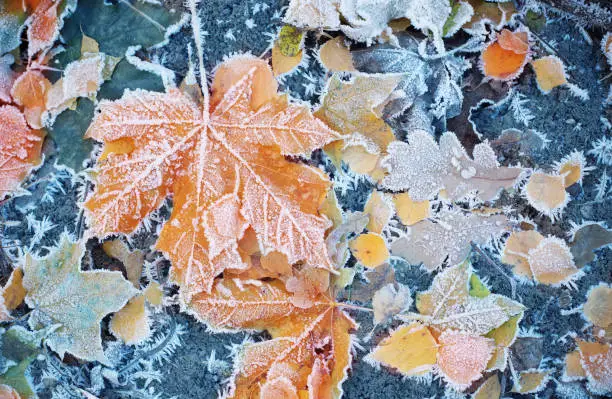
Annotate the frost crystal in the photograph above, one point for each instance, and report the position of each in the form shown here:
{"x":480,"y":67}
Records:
{"x":602,"y":150}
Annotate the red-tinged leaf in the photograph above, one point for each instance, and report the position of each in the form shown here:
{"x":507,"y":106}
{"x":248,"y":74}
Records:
{"x":20,"y":148}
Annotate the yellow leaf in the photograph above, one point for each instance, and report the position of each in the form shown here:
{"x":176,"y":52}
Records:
{"x":370,"y":249}
{"x":330,"y":208}
{"x":131,"y":324}
{"x":411,"y":349}
{"x":550,"y":73}
{"x":531,"y":381}
{"x":13,"y":292}
{"x":281,"y":63}
{"x":503,"y":336}
{"x":572,"y":167}
{"x":409,"y":211}
{"x":154,"y":294}
{"x":336,"y":56}
{"x":490,"y":389}
{"x":290,"y":41}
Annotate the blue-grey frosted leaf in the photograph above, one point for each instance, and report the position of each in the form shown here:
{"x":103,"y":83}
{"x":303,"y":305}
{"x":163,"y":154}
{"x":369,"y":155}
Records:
{"x":11,"y":25}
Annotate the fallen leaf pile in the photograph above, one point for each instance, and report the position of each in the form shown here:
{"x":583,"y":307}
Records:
{"x":455,"y":334}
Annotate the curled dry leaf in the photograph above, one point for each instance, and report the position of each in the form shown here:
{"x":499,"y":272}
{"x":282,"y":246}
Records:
{"x":60,"y":293}
{"x":20,"y":149}
{"x":447,"y":237}
{"x":423,"y":168}
{"x":227,"y":170}
{"x":505,"y":57}
{"x":546,"y":193}
{"x":133,"y":261}
{"x":302,"y":338}
{"x":550,"y":72}
{"x":370,"y":249}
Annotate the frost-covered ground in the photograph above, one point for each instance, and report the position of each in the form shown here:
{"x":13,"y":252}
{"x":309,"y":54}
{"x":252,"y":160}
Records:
{"x":183,"y":359}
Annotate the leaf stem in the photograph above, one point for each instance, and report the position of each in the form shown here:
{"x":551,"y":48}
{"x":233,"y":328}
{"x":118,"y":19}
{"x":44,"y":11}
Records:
{"x":353,"y":307}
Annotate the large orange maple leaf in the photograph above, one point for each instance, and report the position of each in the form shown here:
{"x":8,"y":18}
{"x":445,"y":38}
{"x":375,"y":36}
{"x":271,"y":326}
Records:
{"x":225,"y":166}
{"x":310,"y":350}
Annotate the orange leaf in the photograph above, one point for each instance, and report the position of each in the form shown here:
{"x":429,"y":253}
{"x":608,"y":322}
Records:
{"x":43,"y":27}
{"x":504,"y":58}
{"x":597,"y":363}
{"x":463,"y":357}
{"x":20,"y":148}
{"x":309,"y":349}
{"x":30,"y":91}
{"x":225,"y":169}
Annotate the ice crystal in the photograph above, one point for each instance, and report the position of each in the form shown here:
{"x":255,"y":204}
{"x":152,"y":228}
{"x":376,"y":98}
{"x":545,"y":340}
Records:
{"x":602,"y":150}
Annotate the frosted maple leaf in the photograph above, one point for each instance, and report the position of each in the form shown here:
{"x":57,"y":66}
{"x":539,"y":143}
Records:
{"x":309,"y":349}
{"x":223,"y":162}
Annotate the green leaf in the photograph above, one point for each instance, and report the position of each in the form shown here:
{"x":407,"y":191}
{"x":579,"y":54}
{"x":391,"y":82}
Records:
{"x":477,"y":288}
{"x":127,"y":76}
{"x":290,"y":41}
{"x":15,"y":378}
{"x":67,"y":133}
{"x":119,"y":26}
{"x":21,"y":347}
{"x":61,"y":294}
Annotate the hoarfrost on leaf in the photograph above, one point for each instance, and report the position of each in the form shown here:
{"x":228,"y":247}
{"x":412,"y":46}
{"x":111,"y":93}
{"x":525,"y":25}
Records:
{"x":76,"y":302}
{"x":423,"y":168}
{"x":448,"y":237}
